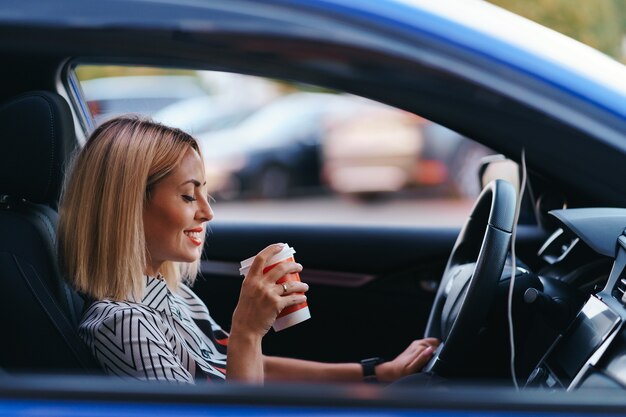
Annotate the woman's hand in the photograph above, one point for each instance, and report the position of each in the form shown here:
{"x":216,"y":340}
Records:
{"x":408,"y":362}
{"x":261,"y":299}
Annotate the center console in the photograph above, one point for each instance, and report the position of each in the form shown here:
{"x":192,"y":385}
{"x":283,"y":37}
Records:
{"x":592,"y":351}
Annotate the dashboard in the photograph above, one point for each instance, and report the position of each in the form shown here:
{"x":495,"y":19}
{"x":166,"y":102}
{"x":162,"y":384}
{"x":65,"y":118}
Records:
{"x":591,"y":351}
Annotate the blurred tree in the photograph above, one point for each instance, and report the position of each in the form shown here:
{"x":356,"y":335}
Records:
{"x":600,"y":24}
{"x":620,"y":7}
{"x":88,"y":72}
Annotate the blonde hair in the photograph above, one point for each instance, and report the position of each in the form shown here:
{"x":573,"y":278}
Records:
{"x":101,"y":239}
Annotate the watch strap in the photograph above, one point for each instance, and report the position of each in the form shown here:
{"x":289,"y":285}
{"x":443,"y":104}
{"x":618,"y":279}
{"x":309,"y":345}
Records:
{"x":369,"y":369}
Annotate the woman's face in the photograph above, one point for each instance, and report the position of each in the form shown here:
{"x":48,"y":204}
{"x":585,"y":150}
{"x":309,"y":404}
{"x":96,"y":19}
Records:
{"x":174,"y":216}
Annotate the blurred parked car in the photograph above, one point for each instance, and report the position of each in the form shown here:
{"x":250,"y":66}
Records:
{"x":233,"y":98}
{"x":203,"y":114}
{"x":382,"y":150}
{"x":451,"y":160}
{"x":112,"y":96}
{"x":375,"y":150}
{"x":276,"y":151}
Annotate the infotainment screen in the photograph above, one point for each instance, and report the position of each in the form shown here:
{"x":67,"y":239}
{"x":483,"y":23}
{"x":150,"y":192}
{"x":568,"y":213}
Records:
{"x":590,"y":328}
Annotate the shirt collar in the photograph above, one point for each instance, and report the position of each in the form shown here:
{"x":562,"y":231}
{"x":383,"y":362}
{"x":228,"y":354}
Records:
{"x":156,"y":293}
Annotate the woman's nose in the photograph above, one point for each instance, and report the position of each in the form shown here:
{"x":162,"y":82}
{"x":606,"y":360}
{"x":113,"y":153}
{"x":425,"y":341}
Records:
{"x":204,"y":213}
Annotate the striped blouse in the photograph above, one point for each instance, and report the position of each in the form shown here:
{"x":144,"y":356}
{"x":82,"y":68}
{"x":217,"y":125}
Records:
{"x":168,"y":336}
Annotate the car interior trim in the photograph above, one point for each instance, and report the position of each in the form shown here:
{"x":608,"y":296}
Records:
{"x":312,"y":276}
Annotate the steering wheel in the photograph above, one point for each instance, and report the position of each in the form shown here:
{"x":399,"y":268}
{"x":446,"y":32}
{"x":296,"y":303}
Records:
{"x":471,"y":277}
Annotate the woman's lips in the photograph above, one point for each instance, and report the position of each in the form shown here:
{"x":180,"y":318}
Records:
{"x":195,"y":235}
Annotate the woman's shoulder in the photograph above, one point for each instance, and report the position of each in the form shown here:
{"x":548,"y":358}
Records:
{"x":104,"y":310}
{"x":115,"y":324}
{"x":111,"y":305}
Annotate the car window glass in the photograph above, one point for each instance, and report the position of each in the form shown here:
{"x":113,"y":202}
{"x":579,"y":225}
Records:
{"x":280,"y":152}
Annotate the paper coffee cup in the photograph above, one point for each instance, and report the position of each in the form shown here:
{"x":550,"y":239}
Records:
{"x":291,"y":315}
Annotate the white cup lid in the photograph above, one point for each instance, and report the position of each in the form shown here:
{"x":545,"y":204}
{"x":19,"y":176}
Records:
{"x":285,"y":253}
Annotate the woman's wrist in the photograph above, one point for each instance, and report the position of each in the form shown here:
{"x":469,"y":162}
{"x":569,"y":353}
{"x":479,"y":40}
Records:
{"x":247,"y":337}
{"x":242,"y":325}
{"x":374,"y":371}
{"x":245,"y":357}
{"x":384,"y":372}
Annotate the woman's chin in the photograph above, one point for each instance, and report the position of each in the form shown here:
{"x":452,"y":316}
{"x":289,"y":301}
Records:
{"x":187,"y":256}
{"x":190,"y":259}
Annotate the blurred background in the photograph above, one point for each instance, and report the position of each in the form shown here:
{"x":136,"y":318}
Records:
{"x":280,"y":152}
{"x":600,"y":24}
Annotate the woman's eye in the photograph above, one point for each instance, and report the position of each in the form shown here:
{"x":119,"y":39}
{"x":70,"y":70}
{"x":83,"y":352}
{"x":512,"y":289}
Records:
{"x":188,"y":198}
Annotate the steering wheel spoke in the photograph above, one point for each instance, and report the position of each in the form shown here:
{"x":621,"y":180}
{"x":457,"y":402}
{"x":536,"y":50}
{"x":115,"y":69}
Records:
{"x":455,"y":291}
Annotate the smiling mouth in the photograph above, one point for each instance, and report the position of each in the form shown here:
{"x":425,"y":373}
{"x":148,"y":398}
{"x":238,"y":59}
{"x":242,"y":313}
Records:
{"x":195,"y":235}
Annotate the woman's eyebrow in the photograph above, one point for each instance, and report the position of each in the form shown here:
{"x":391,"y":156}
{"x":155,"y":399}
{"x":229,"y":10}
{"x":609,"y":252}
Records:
{"x":195,"y":182}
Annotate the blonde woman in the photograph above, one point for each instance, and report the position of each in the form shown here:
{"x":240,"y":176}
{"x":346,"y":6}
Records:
{"x":131,"y":232}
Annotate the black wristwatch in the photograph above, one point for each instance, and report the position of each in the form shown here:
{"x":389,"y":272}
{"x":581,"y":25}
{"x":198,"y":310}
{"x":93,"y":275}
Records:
{"x":369,"y":369}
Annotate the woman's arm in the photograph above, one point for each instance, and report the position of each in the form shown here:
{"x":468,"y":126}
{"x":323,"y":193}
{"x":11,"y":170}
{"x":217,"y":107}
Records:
{"x":260,"y":301}
{"x":287,"y":369}
{"x":245,"y":360}
{"x":414,"y":357}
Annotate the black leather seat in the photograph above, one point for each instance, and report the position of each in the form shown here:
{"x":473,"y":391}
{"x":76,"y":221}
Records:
{"x":38,"y":311}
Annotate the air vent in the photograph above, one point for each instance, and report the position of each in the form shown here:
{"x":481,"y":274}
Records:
{"x":557,"y":246}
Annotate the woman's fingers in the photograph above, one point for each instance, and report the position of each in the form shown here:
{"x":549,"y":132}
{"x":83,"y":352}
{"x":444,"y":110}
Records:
{"x":282,"y":269}
{"x":422,"y":359}
{"x":430,"y":341}
{"x":291,"y":300}
{"x":261,"y":259}
{"x":262,"y":298}
{"x":289,"y":287}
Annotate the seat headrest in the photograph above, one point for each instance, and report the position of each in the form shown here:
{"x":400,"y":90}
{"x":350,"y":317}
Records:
{"x":36,"y":139}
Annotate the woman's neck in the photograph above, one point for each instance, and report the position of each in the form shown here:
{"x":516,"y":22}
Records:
{"x":152,"y":270}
